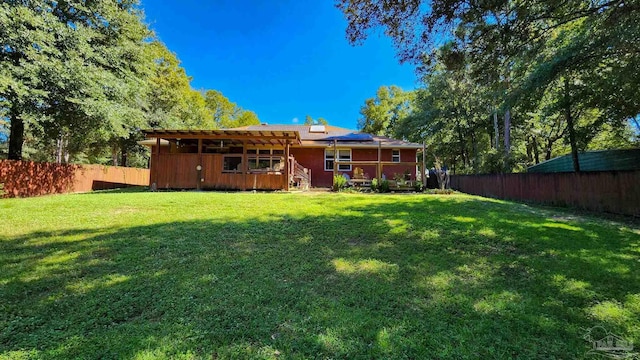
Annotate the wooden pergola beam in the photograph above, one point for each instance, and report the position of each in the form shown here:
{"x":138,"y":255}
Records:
{"x":221,"y":137}
{"x":373,"y":162}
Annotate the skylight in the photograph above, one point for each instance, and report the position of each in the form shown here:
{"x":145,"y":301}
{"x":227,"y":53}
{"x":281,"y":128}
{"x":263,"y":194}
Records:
{"x":317,"y":129}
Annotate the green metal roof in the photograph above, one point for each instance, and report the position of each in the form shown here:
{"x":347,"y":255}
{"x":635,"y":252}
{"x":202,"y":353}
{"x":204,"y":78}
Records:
{"x":602,"y":160}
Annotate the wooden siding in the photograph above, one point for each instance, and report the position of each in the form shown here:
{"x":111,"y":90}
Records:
{"x":313,"y":158}
{"x":615,"y":192}
{"x":27,"y":178}
{"x":178,"y":171}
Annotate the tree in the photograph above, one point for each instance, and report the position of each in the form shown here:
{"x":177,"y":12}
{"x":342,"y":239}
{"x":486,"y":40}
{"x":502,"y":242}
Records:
{"x":246,"y":118}
{"x":308,"y":120}
{"x":381,"y":113}
{"x":227,"y":114}
{"x":80,"y":79}
{"x":578,"y":50}
{"x":70,"y":71}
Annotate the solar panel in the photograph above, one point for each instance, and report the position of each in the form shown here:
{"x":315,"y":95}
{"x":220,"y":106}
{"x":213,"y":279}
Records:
{"x":352,"y":137}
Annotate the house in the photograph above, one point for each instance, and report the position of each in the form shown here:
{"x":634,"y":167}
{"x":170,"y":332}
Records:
{"x":253,"y":157}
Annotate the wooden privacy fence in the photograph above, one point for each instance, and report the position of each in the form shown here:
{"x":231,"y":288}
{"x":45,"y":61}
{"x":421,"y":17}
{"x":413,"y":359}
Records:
{"x":615,"y":192}
{"x":26,"y":178}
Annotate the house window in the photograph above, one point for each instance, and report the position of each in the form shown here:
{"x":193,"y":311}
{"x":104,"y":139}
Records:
{"x":343,"y":155}
{"x":395,"y":156}
{"x":231,"y":163}
{"x":264,"y":159}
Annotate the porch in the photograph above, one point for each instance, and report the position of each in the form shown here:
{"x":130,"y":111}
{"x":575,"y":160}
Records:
{"x":225,"y":160}
{"x":405,"y":174}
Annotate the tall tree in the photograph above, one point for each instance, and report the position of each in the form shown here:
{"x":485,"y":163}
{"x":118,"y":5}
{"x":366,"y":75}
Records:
{"x":523,"y":48}
{"x":380,"y":114}
{"x":71,"y":69}
{"x":227,"y":114}
{"x":308,"y":120}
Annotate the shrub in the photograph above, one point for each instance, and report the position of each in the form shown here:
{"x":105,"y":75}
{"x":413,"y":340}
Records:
{"x":384,"y":186}
{"x":418,"y":186}
{"x":374,"y":185}
{"x":339,"y":182}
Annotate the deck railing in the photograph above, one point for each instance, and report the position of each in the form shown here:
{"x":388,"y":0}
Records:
{"x":298,"y":174}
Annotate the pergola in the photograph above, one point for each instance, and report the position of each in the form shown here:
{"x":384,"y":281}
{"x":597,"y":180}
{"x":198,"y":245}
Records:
{"x":202,"y":168}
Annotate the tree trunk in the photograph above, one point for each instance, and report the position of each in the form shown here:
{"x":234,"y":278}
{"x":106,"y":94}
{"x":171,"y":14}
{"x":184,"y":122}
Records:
{"x":536,"y":153}
{"x":570,"y":126}
{"x":496,"y":130}
{"x":114,"y":155}
{"x":65,"y":149}
{"x":59,"y":150}
{"x":474,"y":146}
{"x":462,"y":147}
{"x":123,"y":156}
{"x":507,"y":132}
{"x":16,"y":137}
{"x":547,"y":155}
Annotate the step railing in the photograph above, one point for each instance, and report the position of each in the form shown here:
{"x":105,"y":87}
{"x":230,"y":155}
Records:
{"x":299,"y":176}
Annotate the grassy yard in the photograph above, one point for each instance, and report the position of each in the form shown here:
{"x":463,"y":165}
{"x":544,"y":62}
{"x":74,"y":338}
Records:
{"x":291,"y":276}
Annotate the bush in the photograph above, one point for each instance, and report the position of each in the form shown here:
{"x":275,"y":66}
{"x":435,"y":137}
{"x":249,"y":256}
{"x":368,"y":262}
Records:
{"x":339,"y":182}
{"x":418,"y":187}
{"x":380,"y":186}
{"x":384,"y":186}
{"x":374,"y":185}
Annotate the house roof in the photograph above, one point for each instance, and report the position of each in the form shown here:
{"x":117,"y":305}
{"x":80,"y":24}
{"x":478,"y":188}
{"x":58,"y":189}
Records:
{"x":310,"y":136}
{"x":255,"y":137}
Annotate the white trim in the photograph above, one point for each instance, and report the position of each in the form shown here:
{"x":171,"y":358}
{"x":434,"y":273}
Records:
{"x":393,"y":155}
{"x":341,"y":167}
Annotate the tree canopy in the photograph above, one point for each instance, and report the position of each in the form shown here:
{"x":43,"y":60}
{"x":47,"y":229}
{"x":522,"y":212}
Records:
{"x":80,"y":79}
{"x":559,"y":74}
{"x":308,"y":120}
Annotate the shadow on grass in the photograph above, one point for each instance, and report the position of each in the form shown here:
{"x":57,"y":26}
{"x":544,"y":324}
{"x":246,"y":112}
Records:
{"x":403,"y":278}
{"x":120,"y":190}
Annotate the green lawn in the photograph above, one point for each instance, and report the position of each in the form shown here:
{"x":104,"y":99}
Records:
{"x":290,"y":276}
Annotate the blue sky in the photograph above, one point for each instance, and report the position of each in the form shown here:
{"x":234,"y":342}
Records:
{"x":282,"y":59}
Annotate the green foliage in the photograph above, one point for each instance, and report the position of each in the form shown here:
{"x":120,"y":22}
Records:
{"x":560,"y":76}
{"x":308,"y":120}
{"x":374,"y":185}
{"x":493,"y":163}
{"x":381,"y":113}
{"x":227,"y":114}
{"x":345,"y":276}
{"x":79,"y":80}
{"x":72,"y":73}
{"x":339,"y":182}
{"x":384,"y":186}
